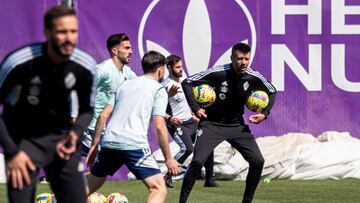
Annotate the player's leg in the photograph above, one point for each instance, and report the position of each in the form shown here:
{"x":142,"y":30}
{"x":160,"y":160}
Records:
{"x":157,"y":188}
{"x":183,"y":139}
{"x":27,"y":194}
{"x":182,"y":135}
{"x":209,"y":172}
{"x":208,"y":137}
{"x":247,"y":146}
{"x":67,"y":179}
{"x":40,"y":152}
{"x":94,"y":183}
{"x":107,"y":162}
{"x":143,"y":165}
{"x":86,"y":142}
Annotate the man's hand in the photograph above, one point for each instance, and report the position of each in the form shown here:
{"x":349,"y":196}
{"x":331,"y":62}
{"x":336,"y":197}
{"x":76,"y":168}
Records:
{"x":67,"y":146}
{"x":201,"y":114}
{"x":91,"y":155}
{"x":195,"y":118}
{"x":257,"y":118}
{"x":17,"y":170}
{"x":173,"y":166}
{"x":173,"y":90}
{"x":176,"y":121}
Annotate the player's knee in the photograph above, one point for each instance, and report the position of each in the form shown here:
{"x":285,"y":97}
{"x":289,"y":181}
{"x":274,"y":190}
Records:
{"x":197,"y":163}
{"x":158,"y":188}
{"x":258,"y":162}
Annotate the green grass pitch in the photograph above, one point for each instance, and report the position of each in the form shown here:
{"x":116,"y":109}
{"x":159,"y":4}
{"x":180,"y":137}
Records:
{"x":342,"y":191}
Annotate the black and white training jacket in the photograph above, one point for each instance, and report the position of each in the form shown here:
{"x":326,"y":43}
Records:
{"x":231,"y":89}
{"x":37,"y":95}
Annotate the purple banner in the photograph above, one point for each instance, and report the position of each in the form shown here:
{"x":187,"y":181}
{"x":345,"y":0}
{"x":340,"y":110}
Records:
{"x":307,"y":49}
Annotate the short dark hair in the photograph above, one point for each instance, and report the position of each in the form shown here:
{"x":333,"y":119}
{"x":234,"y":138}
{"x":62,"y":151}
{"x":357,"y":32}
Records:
{"x":171,"y":60}
{"x":244,"y":48}
{"x":57,"y":12}
{"x":115,"y":39}
{"x":152,"y":60}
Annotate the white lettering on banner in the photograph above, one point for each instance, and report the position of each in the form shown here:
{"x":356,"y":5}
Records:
{"x":279,"y":10}
{"x":338,"y":69}
{"x":338,"y":12}
{"x":281,"y":54}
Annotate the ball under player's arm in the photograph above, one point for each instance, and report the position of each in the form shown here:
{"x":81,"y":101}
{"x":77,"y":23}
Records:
{"x":204,"y":77}
{"x":262,"y":84}
{"x":99,"y":128}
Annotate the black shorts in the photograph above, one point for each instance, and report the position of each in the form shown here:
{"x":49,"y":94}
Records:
{"x":66,"y":177}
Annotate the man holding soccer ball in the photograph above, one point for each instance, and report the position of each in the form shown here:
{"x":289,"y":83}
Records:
{"x":223,"y":120}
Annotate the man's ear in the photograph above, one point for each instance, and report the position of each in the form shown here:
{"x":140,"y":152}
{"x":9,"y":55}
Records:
{"x":114,"y":51}
{"x":159,"y":72}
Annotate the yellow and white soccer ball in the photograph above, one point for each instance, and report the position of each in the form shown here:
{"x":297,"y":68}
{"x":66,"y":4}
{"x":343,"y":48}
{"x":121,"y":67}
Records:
{"x":45,"y":198}
{"x":257,"y":101}
{"x":117,"y":197}
{"x":96,"y":197}
{"x":204,"y":95}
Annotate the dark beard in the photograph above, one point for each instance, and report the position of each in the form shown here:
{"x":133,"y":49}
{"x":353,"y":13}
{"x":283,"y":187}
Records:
{"x":56,"y":48}
{"x":123,"y":61}
{"x":178,"y":75}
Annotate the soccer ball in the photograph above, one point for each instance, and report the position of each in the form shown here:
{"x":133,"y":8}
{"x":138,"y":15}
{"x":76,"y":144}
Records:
{"x":204,"y":95}
{"x":45,"y":198}
{"x":96,"y":197}
{"x":257,"y":101}
{"x":116,"y":197}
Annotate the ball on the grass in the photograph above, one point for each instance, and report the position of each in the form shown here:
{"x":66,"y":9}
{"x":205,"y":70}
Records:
{"x":204,"y":95}
{"x":257,"y":101}
{"x":45,"y":198}
{"x":116,"y":197}
{"x":96,"y":197}
{"x":266,"y":180}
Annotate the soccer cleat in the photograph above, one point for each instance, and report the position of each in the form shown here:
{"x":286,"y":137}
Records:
{"x":168,"y":181}
{"x":211,"y":184}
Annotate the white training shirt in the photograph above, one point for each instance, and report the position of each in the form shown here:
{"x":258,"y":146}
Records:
{"x":136,"y":101}
{"x":178,"y":102}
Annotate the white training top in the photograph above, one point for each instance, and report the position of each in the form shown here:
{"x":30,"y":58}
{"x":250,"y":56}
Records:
{"x":136,"y":101}
{"x":178,"y":102}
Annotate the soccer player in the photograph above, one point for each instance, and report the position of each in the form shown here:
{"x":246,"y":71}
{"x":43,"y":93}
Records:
{"x":111,"y":73}
{"x":181,"y":123}
{"x":36,"y":82}
{"x":125,"y":140}
{"x":223,"y":120}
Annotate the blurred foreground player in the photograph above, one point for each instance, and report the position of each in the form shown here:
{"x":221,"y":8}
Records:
{"x":37,"y":87}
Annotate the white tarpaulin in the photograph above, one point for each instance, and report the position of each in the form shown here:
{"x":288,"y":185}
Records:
{"x":331,"y":155}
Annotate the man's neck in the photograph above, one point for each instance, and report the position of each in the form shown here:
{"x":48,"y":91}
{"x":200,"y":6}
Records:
{"x":153,"y":76}
{"x":117,"y":63}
